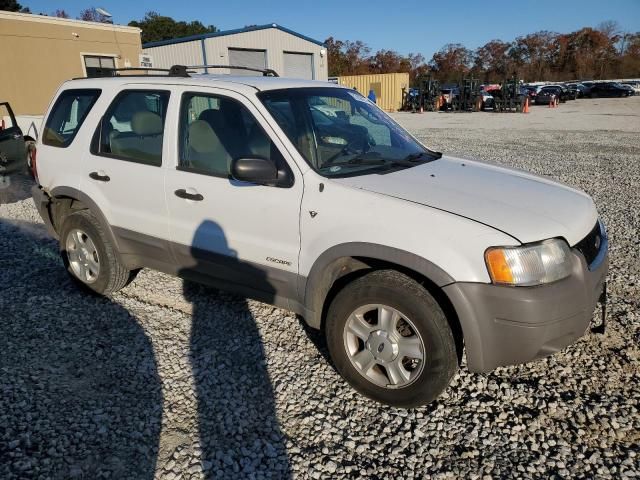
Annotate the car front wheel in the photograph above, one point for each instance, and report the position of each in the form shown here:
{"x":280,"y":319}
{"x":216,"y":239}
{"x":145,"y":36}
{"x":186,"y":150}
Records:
{"x":389,"y":338}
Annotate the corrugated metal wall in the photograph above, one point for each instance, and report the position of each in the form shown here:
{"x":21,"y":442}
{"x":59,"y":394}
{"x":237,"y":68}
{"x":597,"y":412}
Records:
{"x":185,"y":53}
{"x":273,"y":40}
{"x":388,"y":87}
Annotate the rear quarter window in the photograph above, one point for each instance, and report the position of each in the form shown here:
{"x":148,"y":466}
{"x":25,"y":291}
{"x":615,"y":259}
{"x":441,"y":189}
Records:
{"x":67,"y":116}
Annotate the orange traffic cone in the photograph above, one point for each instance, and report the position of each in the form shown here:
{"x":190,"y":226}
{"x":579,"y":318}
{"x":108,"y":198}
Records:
{"x":526,"y":105}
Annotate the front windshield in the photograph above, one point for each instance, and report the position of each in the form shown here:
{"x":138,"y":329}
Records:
{"x":341,"y":133}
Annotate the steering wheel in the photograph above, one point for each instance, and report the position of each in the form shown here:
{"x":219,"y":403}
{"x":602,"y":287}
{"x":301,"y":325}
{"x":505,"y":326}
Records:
{"x":357,"y":146}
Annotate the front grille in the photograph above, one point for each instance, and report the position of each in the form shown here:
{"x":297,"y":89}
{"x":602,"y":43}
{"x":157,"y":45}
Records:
{"x":590,"y":245}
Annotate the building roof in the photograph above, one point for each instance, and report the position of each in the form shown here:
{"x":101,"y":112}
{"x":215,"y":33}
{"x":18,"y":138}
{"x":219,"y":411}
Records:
{"x":30,"y":17}
{"x":230,"y":32}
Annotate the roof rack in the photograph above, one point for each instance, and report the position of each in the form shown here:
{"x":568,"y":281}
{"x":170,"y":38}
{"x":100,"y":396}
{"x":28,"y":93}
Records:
{"x":266,"y":72}
{"x":175,"y":70}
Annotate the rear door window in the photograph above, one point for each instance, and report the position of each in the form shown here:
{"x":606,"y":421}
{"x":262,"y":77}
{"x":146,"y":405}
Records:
{"x":133,"y":127}
{"x":67,"y":115}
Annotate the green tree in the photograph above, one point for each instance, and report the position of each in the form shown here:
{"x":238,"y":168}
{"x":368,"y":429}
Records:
{"x":13,"y":6}
{"x":157,"y":27}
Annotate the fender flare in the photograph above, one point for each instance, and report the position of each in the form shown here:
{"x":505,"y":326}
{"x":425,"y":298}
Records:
{"x":70,"y":192}
{"x":339,"y":260}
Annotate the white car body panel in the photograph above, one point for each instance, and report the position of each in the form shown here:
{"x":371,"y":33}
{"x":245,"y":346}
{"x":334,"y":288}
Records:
{"x":345,"y":214}
{"x":525,"y":206}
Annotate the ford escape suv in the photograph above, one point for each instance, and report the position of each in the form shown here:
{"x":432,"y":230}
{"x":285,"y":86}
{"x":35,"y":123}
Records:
{"x":307,"y":196}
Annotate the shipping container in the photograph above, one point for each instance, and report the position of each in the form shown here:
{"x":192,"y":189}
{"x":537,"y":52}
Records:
{"x":387,"y":87}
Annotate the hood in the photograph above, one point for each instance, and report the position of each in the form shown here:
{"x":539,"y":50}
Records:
{"x":524,"y":206}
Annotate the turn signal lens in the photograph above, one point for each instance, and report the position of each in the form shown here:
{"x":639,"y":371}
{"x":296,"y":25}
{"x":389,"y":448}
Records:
{"x":499,"y":269}
{"x":528,"y":265}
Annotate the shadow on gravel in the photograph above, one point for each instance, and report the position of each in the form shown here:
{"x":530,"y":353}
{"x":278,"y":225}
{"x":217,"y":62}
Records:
{"x":239,"y":431}
{"x":15,"y":187}
{"x":80,"y":396}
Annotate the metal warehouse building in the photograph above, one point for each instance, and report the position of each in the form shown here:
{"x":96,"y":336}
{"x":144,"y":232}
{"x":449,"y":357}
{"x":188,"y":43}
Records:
{"x":40,"y":52}
{"x":272,"y":46}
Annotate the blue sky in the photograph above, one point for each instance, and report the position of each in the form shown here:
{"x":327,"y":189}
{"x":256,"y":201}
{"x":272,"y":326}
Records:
{"x":419,"y":26}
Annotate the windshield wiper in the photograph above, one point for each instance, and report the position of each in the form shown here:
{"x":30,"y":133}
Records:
{"x":414,"y":157}
{"x":358,"y":161}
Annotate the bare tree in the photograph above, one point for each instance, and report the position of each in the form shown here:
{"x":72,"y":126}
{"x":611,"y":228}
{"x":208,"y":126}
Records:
{"x":92,"y":15}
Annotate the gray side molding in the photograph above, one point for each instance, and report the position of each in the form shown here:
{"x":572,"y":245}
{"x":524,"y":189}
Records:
{"x":339,"y":260}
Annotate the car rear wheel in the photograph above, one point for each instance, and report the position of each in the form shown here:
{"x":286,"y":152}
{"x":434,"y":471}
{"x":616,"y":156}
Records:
{"x":89,"y":256}
{"x":389,"y":338}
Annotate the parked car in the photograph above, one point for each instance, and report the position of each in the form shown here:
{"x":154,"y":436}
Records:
{"x":628,"y":88}
{"x":608,"y":89}
{"x":582,"y":90}
{"x":574,"y":91}
{"x":15,"y":152}
{"x":635,"y":85}
{"x":405,"y":258}
{"x":563,"y":92}
{"x":547,"y":95}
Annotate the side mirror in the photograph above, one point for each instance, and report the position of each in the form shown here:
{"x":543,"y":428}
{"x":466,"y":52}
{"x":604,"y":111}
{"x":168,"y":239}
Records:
{"x":255,"y":170}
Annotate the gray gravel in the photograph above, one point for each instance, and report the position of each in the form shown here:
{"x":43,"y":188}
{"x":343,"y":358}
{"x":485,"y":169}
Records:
{"x":177,"y":381}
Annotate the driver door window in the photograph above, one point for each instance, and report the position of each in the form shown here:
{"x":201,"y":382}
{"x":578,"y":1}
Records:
{"x":215,"y":130}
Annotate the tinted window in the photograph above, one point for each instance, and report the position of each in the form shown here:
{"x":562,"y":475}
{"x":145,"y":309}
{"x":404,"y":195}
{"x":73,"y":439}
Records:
{"x":67,"y":115}
{"x":214,"y":130}
{"x":133,"y":127}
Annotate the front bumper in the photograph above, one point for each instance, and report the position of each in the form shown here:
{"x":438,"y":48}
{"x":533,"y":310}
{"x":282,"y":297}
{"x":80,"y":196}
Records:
{"x":511,"y":325}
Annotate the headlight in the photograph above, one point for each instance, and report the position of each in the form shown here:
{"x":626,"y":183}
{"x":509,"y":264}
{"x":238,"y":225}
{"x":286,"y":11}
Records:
{"x":533,"y":264}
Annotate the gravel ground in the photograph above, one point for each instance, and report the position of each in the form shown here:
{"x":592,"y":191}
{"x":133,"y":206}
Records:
{"x":176,"y":381}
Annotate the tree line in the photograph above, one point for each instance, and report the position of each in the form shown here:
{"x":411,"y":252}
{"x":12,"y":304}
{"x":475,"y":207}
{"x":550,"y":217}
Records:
{"x":589,"y":53}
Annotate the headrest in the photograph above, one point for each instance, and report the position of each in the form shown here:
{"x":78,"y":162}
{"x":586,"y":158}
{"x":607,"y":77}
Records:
{"x":202,"y":138}
{"x":213,"y":117}
{"x":146,"y":123}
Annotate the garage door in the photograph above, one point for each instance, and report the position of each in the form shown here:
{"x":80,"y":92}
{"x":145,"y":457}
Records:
{"x":298,"y":65}
{"x":247,"y":58}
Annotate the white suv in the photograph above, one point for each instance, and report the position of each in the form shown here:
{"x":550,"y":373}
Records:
{"x":307,"y":196}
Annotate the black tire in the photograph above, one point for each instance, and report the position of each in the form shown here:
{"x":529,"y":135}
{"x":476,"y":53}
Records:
{"x":404,"y":294}
{"x":112,"y":275}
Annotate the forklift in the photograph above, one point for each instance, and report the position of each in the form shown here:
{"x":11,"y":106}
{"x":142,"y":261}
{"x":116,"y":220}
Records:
{"x":509,"y":98}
